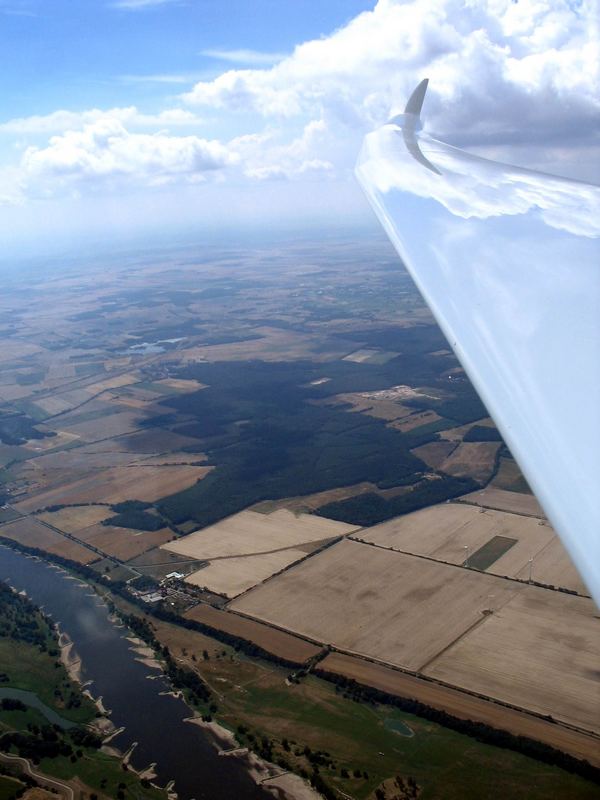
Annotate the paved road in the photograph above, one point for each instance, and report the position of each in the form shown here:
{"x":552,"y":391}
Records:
{"x":63,"y":789}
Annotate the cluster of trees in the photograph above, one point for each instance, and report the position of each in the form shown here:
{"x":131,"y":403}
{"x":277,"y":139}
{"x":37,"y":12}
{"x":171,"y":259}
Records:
{"x":136,"y":520}
{"x":482,"y":433}
{"x":49,"y":741}
{"x":133,"y":514}
{"x":370,"y":508}
{"x":287,"y":445}
{"x":180,"y":677}
{"x":477,"y":730}
{"x":20,"y":620}
{"x":17,"y":428}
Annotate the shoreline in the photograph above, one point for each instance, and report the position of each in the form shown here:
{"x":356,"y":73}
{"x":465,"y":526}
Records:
{"x":281,"y":783}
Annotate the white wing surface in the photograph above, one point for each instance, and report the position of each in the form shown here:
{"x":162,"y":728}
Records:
{"x":508,"y":260}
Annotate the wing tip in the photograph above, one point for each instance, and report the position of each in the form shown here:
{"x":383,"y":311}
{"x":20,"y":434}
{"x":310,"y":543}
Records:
{"x":415,"y":101}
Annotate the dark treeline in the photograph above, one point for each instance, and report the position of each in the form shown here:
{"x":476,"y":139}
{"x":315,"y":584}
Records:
{"x":20,"y":620}
{"x":477,"y":730}
{"x":370,"y":508}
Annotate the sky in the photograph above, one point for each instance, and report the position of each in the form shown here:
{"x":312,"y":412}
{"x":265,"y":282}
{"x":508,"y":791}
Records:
{"x":138,"y":117}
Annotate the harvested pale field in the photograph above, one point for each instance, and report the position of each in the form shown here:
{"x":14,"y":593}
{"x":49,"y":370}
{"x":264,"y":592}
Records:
{"x":435,"y":453}
{"x":112,"y":383}
{"x":472,"y":459}
{"x":398,"y":608}
{"x":445,"y":531}
{"x":104,"y":427}
{"x":32,"y":533}
{"x":139,"y":400}
{"x":501,"y":500}
{"x":462,"y":705}
{"x":540,"y":651}
{"x":123,"y":543}
{"x":118,"y":484}
{"x":232,"y":576}
{"x":279,"y":643}
{"x":61,"y":439}
{"x":11,"y":392}
{"x":276,"y":345}
{"x":310,"y":502}
{"x":250,"y":532}
{"x":415,"y":421}
{"x":361,"y":356}
{"x":553,"y":566}
{"x":74,"y":519}
{"x":64,"y":402}
{"x":65,"y":466}
{"x":456,"y":434}
{"x":181,"y":385}
{"x":168,"y":459}
{"x":380,"y":409}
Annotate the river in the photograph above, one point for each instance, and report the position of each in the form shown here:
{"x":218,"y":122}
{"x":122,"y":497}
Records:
{"x":183,"y":752}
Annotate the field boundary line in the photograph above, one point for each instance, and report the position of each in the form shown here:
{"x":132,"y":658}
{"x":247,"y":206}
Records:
{"x":520,"y":581}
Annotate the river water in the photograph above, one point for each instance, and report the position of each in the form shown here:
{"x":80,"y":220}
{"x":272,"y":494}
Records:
{"x":183,"y":752}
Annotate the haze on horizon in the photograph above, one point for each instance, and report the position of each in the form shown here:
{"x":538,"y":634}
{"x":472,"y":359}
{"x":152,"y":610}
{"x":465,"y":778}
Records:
{"x":127,"y":117}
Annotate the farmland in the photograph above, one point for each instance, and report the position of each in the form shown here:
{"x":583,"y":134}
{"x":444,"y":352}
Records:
{"x":554,"y":641}
{"x":310,"y":459}
{"x":444,"y":621}
{"x":363,"y":599}
{"x":273,"y":641}
{"x":249,"y":547}
{"x":249,"y":533}
{"x":452,"y":532}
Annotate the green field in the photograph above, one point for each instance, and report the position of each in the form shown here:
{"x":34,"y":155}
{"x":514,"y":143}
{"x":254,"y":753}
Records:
{"x":28,"y":668}
{"x":101,"y":772}
{"x":359,"y":736}
{"x":8,"y":787}
{"x":491,"y":552}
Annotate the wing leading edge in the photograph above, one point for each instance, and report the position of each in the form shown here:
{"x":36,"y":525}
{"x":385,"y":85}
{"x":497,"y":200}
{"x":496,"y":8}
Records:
{"x":509,"y":263}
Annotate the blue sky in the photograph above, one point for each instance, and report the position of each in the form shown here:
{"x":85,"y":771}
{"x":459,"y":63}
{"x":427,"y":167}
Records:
{"x":120,"y":117}
{"x":80,"y":53}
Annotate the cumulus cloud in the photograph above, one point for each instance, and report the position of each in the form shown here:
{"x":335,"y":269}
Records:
{"x":105,"y":152}
{"x":264,"y":157}
{"x":523,"y":74}
{"x":499,"y":70}
{"x":62,"y":121}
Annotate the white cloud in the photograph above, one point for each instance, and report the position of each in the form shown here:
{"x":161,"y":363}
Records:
{"x":523,"y":74}
{"x":499,"y":70}
{"x":264,"y":158}
{"x":253,"y":57}
{"x":62,"y":121}
{"x":105,"y":154}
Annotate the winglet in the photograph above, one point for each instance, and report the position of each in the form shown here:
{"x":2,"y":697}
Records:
{"x":410,"y":123}
{"x":415,"y":101}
